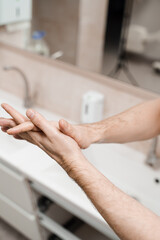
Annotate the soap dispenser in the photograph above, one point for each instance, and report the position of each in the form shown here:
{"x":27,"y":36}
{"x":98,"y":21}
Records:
{"x":92,"y":109}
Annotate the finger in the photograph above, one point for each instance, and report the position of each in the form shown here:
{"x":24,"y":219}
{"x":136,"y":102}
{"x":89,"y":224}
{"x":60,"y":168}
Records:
{"x":39,"y":121}
{"x":26,"y":136}
{"x":54,"y":124}
{"x":18,"y":117}
{"x":4,"y":122}
{"x":23,"y":136}
{"x":23,"y":127}
{"x":17,"y":137}
{"x":67,"y":128}
{"x":35,"y":138}
{"x":4,"y":129}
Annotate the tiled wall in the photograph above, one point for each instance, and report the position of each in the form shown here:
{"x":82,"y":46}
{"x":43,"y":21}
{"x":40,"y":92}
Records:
{"x":75,"y":27}
{"x":60,"y":86}
{"x":59,"y":18}
{"x":92,"y":26}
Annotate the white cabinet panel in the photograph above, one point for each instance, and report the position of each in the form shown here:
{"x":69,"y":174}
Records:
{"x":13,"y":186}
{"x":19,"y":219}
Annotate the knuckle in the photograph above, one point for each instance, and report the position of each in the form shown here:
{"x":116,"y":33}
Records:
{"x":37,"y":120}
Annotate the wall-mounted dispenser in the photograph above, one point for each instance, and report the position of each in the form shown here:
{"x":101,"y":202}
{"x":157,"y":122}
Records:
{"x":92,"y":107}
{"x":12,"y":11}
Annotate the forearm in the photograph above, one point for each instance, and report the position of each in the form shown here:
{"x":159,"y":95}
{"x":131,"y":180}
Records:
{"x":138,"y":123}
{"x":128,"y":218}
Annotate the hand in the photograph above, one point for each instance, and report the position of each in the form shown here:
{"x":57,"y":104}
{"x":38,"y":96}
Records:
{"x":82,"y":134}
{"x":49,"y":138}
{"x":18,"y":124}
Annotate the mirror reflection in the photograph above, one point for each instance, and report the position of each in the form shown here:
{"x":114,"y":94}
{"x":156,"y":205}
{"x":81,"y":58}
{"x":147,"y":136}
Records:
{"x":120,"y":39}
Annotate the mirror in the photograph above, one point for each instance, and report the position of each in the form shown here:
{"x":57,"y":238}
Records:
{"x":116,"y":38}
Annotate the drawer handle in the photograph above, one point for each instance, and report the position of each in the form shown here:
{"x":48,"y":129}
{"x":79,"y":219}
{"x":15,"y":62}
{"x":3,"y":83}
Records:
{"x":56,"y":228}
{"x":44,"y":203}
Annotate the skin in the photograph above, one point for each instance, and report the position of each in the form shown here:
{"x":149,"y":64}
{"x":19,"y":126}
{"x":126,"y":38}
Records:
{"x":128,"y":218}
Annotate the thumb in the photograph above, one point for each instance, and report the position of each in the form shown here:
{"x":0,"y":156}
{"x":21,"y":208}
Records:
{"x":67,"y":129}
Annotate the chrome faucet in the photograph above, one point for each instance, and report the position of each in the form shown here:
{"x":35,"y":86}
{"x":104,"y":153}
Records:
{"x":27,"y":98}
{"x":152,"y":158}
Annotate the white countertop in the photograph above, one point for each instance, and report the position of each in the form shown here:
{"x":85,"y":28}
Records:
{"x":116,"y":161}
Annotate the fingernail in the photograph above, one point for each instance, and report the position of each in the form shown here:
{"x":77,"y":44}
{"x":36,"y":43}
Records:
{"x":9,"y":132}
{"x":64,"y":123}
{"x":30,"y":113}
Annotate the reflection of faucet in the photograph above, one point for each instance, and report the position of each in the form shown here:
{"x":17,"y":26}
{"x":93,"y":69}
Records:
{"x":27,"y":98}
{"x":57,"y":54}
{"x":152,"y":158}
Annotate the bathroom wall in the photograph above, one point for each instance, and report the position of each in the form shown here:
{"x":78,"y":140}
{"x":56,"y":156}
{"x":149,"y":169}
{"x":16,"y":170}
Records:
{"x":15,"y":39}
{"x":60,"y":86}
{"x":75,"y":27}
{"x":59,"y":18}
{"x":91,"y":34}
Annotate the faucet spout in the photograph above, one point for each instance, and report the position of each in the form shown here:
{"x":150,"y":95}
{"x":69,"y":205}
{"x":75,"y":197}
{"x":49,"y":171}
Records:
{"x":27,"y":98}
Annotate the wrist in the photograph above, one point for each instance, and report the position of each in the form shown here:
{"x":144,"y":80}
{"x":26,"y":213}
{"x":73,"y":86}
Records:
{"x":95,"y":132}
{"x":76,"y":166}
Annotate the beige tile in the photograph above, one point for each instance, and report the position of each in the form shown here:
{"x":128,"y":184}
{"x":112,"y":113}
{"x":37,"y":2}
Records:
{"x":92,"y":23}
{"x":59,"y":18}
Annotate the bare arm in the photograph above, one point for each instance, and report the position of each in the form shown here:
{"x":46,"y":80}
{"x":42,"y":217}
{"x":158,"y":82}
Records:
{"x":138,"y":123}
{"x":127,"y":217}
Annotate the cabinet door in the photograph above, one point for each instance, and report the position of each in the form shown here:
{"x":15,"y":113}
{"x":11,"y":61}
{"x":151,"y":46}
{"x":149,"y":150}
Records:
{"x":14,"y":187}
{"x":19,"y":219}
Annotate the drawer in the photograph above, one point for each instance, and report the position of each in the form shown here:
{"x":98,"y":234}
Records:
{"x":14,"y":187}
{"x":19,"y":219}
